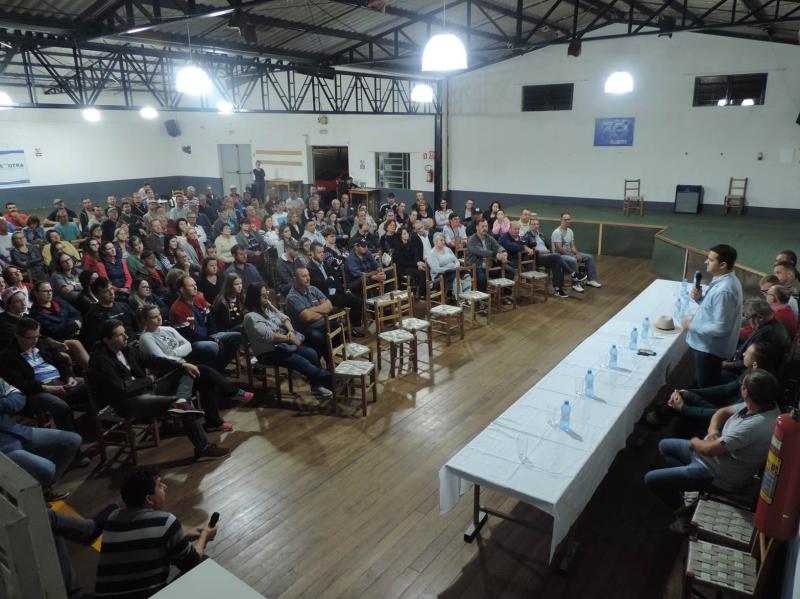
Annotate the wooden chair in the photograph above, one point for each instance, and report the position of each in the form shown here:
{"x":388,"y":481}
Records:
{"x":724,"y":524}
{"x":632,"y":199}
{"x":478,"y":302}
{"x":345,"y":370}
{"x":736,"y":198}
{"x":415,"y":325}
{"x":375,"y":296}
{"x":727,"y":570}
{"x":444,"y":318}
{"x":529,"y":280}
{"x":389,"y":330}
{"x":500,"y":287}
{"x":257,"y":369}
{"x":113,"y":430}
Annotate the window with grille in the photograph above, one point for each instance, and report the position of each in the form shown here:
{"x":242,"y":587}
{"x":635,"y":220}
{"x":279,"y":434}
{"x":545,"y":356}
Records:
{"x":393,"y":169}
{"x":730,"y":90}
{"x":547,"y":97}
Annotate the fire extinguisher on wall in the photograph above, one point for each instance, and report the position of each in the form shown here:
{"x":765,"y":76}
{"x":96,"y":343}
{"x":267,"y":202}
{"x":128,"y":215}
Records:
{"x":778,"y":510}
{"x":429,"y":173}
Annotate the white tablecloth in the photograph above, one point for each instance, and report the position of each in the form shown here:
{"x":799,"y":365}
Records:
{"x":561,"y":470}
{"x":207,"y":580}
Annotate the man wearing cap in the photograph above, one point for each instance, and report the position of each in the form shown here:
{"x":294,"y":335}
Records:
{"x":714,"y":331}
{"x":287,"y":263}
{"x":52,"y":218}
{"x":388,"y":206}
{"x":361,"y":261}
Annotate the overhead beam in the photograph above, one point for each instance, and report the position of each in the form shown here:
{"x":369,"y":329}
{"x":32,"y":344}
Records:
{"x":525,"y":16}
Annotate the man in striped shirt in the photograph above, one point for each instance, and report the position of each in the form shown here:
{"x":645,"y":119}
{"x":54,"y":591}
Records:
{"x":141,"y":541}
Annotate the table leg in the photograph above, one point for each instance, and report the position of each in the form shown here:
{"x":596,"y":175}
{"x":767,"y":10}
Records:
{"x":479,"y":517}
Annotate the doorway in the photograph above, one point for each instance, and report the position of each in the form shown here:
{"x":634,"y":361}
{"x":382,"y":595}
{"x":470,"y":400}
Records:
{"x":330,"y":163}
{"x":236,"y":165}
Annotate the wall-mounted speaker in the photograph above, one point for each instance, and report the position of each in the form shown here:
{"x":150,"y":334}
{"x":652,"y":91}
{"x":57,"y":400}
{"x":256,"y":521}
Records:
{"x":172,"y":128}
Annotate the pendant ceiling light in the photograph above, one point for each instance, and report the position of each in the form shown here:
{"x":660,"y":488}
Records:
{"x":620,"y":82}
{"x":444,"y":52}
{"x":422,"y":93}
{"x":91,"y":114}
{"x":224,"y":107}
{"x":193,"y":80}
{"x":148,"y":112}
{"x":5,"y":101}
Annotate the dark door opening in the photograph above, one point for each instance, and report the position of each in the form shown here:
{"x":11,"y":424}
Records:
{"x":330,"y":164}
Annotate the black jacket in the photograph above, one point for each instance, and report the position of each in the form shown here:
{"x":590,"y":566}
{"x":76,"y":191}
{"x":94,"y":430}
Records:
{"x":59,"y":321}
{"x":406,"y":255}
{"x":15,"y":370}
{"x":322,"y":282}
{"x":113,"y":383}
{"x":97,"y":315}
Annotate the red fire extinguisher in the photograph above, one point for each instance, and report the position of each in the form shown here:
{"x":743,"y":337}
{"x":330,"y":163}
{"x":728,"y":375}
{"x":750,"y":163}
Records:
{"x":778,"y":511}
{"x":429,"y":173}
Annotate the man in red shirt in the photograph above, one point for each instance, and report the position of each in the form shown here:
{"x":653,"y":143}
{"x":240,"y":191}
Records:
{"x":14,"y":216}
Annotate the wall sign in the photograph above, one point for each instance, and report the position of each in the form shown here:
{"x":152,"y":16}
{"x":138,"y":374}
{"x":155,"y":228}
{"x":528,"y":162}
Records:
{"x":614,"y":131}
{"x":13,"y":167}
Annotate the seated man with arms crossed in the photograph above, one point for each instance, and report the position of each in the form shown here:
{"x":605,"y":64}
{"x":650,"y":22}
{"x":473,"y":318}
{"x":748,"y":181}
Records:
{"x":141,"y":541}
{"x":483,"y":248}
{"x":307,"y":307}
{"x":728,"y":457}
{"x":564,"y":243}
{"x":118,"y":375}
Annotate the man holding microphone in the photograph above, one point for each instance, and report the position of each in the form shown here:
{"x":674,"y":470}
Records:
{"x":713,"y":332}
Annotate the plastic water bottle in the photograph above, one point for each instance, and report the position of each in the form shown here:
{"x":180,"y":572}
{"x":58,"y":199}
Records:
{"x":612,"y":362}
{"x":678,"y":308}
{"x":564,"y":424}
{"x":684,"y":286}
{"x":646,"y":327}
{"x":588,"y":388}
{"x":634,"y":339}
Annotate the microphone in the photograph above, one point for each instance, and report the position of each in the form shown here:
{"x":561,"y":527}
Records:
{"x":214,"y":519}
{"x":698,"y":277}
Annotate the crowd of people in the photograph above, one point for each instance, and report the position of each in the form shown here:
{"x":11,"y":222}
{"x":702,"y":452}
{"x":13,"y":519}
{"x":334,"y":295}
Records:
{"x":144,"y":301}
{"x":726,"y":420}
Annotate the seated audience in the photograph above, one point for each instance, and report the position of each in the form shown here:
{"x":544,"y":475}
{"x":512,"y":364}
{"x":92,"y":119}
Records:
{"x":515,"y":246}
{"x":228,"y":306}
{"x":307,"y":307}
{"x":362,"y":261}
{"x":442,"y":262}
{"x":144,"y":522}
{"x":482,"y":250}
{"x":326,"y":275}
{"x":767,"y":282}
{"x":67,"y":228}
{"x":165,"y":342}
{"x":287,"y":262}
{"x":86,"y":299}
{"x":15,"y":309}
{"x":91,"y":254}
{"x":59,"y":321}
{"x":777,"y":297}
{"x":211,"y":278}
{"x":455,"y":234}
{"x":34,"y":232}
{"x":252,"y":243}
{"x":274,"y":342}
{"x":34,"y":367}
{"x":787,"y":276}
{"x":295,"y":228}
{"x":118,"y":376}
{"x":552,"y":261}
{"x":410,"y":261}
{"x":389,"y":205}
{"x":107,"y":308}
{"x":65,"y":279}
{"x":469,"y":211}
{"x":390,"y":239}
{"x":730,"y":455}
{"x":502,"y":224}
{"x":190,"y":314}
{"x":242,"y":268}
{"x":441,"y":218}
{"x":183,"y":264}
{"x":152,"y":272}
{"x":491,"y":216}
{"x":44,"y":453}
{"x":142,"y":294}
{"x":155,"y":238}
{"x":564,"y":241}
{"x":765,"y":327}
{"x":167,"y":257}
{"x":112,"y":267}
{"x":422,"y":233}
{"x":225,"y":243}
{"x":27,"y":258}
{"x":52,"y":217}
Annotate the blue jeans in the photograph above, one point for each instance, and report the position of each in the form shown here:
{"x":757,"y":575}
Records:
{"x":572,"y":265}
{"x":684,"y":472}
{"x":304,"y":360}
{"x":47,"y":455}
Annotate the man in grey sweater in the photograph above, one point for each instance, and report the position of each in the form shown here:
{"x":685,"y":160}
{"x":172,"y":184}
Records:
{"x":482,"y":249}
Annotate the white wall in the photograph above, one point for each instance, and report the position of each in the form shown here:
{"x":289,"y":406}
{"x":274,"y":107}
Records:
{"x":494,"y":147}
{"x":125,"y":146}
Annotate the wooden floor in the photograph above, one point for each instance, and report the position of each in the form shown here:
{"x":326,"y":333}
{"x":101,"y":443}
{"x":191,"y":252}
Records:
{"x":317,"y":506}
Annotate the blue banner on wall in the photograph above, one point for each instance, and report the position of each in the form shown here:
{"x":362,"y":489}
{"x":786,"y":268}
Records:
{"x":614,"y":131}
{"x":13,"y":167}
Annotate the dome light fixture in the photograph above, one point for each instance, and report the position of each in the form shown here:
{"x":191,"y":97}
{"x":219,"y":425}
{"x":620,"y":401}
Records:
{"x":748,"y":102}
{"x":192,"y":80}
{"x":224,"y":107}
{"x":620,"y":82}
{"x":444,"y":52}
{"x":148,"y":112}
{"x":722,"y":102}
{"x":422,"y":93}
{"x":6,"y":103}
{"x":92,"y":115}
